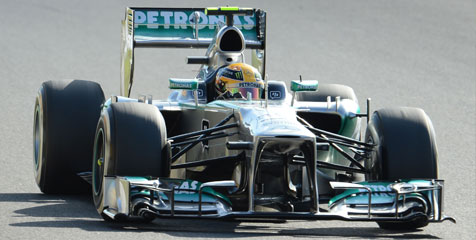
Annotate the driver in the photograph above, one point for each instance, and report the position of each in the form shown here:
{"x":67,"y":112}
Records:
{"x":239,"y":81}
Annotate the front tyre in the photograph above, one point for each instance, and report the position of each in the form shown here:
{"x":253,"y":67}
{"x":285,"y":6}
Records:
{"x":406,"y":149}
{"x":130,"y":141}
{"x":65,"y":117}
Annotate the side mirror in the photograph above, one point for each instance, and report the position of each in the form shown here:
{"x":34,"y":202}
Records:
{"x":184,"y":84}
{"x":303,"y":86}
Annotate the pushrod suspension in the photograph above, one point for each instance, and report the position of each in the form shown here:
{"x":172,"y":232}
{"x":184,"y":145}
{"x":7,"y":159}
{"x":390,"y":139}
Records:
{"x":210,"y":137}
{"x":338,"y":167}
{"x":204,"y":133}
{"x":330,"y":140}
{"x":233,"y":158}
{"x":333,"y":135}
{"x":324,"y":136}
{"x":327,"y":165}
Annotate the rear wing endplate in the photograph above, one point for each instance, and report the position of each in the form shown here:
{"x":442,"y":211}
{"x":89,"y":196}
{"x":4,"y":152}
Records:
{"x":181,"y":28}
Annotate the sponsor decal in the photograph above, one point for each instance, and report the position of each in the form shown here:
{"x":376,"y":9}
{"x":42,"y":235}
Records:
{"x":190,"y":84}
{"x":239,"y":75}
{"x":249,"y":85}
{"x":306,"y":87}
{"x":274,"y":95}
{"x":232,"y":74}
{"x":187,"y":185}
{"x":184,"y":19}
{"x":180,"y":85}
{"x":378,"y":189}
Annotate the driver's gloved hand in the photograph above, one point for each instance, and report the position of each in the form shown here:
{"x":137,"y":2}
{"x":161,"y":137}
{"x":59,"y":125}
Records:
{"x":228,"y":95}
{"x":225,"y":95}
{"x":238,"y":96}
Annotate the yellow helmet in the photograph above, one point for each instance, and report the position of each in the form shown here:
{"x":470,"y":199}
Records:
{"x":239,"y":80}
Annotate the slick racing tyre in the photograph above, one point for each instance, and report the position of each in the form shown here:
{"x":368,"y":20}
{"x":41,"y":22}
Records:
{"x":65,"y":117}
{"x":130,"y":141}
{"x":324,"y":90}
{"x":406,"y":149}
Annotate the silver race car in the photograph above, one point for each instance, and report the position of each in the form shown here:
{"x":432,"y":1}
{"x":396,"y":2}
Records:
{"x":229,"y":142}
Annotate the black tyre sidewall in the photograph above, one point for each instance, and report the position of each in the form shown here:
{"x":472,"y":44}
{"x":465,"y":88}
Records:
{"x":69,"y":112}
{"x":406,"y":145}
{"x":135,"y":145}
{"x":39,"y":165}
{"x":137,"y":141}
{"x":97,"y":191}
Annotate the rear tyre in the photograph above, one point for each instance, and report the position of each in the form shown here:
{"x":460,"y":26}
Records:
{"x":130,"y":141}
{"x":324,"y":90}
{"x":65,"y":117}
{"x":406,"y":149}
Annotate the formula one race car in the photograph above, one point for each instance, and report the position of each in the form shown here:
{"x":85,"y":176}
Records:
{"x":230,"y":143}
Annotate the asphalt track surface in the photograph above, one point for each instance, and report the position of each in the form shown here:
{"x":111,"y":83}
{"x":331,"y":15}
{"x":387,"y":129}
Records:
{"x":399,"y":53}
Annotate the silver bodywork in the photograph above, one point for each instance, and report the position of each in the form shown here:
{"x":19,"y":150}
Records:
{"x":267,"y":126}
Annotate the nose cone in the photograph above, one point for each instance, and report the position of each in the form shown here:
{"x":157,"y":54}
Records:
{"x":274,"y":121}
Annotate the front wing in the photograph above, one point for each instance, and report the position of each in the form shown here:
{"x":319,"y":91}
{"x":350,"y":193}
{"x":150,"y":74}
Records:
{"x":394,"y":202}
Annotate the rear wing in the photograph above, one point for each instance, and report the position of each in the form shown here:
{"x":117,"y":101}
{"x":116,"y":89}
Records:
{"x":183,"y":28}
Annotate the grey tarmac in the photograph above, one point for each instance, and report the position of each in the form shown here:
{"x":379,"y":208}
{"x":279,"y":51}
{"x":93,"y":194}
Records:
{"x":399,"y":53}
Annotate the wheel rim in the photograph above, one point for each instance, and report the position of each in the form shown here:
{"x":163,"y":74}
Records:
{"x":98,"y":162}
{"x":37,"y":137}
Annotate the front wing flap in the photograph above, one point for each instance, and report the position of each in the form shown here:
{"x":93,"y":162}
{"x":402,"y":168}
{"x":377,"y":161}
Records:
{"x":367,"y":201}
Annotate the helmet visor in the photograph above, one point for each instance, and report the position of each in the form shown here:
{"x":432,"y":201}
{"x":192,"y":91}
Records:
{"x":246,"y":93}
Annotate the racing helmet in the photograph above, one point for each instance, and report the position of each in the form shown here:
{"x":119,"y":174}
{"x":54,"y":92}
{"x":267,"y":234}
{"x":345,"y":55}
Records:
{"x":238,"y":81}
